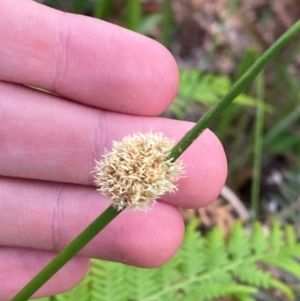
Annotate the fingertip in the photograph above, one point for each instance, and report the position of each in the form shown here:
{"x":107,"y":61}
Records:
{"x":143,"y":77}
{"x":150,"y":239}
{"x":20,"y":265}
{"x":167,"y":78}
{"x":85,"y":60}
{"x":67,"y":278}
{"x":207,"y":171}
{"x":121,"y":70}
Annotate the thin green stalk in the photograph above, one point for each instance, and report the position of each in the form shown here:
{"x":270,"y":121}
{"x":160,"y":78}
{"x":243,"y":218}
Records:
{"x":167,"y":24}
{"x":102,"y":9}
{"x":78,"y":6}
{"x":240,"y":140}
{"x":134,"y":15}
{"x":67,"y":254}
{"x":223,"y":126}
{"x":258,"y":147}
{"x":105,"y":218}
{"x":237,"y":88}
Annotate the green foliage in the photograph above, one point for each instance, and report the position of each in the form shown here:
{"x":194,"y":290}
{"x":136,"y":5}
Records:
{"x":134,"y":14}
{"x":206,"y":89}
{"x":205,"y":268}
{"x":247,"y":60}
{"x":283,"y":136}
{"x":82,"y":292}
{"x":167,"y":24}
{"x":102,"y":8}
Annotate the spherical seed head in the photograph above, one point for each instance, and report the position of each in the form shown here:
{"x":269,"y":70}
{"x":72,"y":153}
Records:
{"x":137,"y":170}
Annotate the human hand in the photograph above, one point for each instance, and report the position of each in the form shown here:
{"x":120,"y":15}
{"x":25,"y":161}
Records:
{"x":110,"y":82}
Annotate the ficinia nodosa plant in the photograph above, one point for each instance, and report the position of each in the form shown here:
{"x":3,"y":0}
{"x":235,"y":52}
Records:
{"x":113,"y":211}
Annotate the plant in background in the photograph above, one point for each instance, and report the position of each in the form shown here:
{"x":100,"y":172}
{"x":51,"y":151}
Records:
{"x":109,"y":214}
{"x":205,"y":268}
{"x":199,"y":88}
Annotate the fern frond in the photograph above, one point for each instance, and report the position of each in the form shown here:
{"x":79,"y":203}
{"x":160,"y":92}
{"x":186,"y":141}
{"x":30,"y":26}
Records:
{"x":242,"y":297}
{"x":292,"y":248}
{"x":238,"y":245}
{"x":276,"y":236}
{"x":290,"y":236}
{"x":258,"y":241}
{"x":214,"y":253}
{"x":80,"y":292}
{"x":108,"y":281}
{"x":284,"y":262}
{"x":205,"y":268}
{"x":218,"y":287}
{"x":169,"y":273}
{"x":250,"y":274}
{"x":197,"y":87}
{"x":190,"y":257}
{"x":141,"y":282}
{"x":283,"y":288}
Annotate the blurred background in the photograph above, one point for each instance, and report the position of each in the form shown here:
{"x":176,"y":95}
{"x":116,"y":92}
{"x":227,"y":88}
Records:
{"x":214,"y":42}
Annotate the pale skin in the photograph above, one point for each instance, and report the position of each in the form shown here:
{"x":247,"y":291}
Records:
{"x":111,"y":82}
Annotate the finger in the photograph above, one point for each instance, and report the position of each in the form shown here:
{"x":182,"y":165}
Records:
{"x":84,"y":59}
{"x":48,"y":216}
{"x":45,"y":138}
{"x":19,"y":266}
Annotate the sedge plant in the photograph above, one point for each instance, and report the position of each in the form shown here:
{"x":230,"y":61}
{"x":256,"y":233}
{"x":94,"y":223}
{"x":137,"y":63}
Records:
{"x":171,"y":155}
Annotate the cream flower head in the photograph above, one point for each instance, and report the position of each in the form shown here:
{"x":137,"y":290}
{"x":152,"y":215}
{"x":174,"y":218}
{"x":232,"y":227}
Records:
{"x":137,"y":170}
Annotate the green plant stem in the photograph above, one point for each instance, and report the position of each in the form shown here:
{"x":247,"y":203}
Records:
{"x":237,"y":88}
{"x":67,"y":254}
{"x":78,"y":6}
{"x":102,"y":9}
{"x":134,"y":15}
{"x":167,"y":23}
{"x":105,"y":218}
